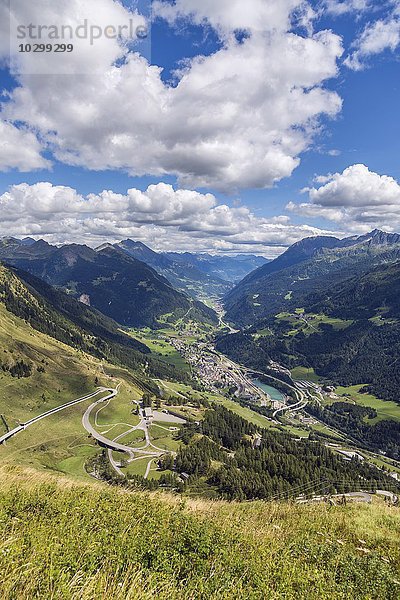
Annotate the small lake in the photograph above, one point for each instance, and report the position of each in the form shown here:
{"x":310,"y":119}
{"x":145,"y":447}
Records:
{"x":271,"y":391}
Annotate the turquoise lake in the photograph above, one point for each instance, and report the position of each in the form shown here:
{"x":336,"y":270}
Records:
{"x":273,"y":392}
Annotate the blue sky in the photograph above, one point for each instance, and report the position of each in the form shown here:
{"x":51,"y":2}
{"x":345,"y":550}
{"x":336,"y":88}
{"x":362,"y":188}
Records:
{"x":364,"y":131}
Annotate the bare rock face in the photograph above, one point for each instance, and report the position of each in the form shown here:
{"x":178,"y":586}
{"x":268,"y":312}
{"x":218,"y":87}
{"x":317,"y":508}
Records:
{"x":85,"y":299}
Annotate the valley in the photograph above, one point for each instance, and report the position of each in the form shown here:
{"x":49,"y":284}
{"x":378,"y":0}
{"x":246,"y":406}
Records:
{"x":173,"y":379}
{"x":199,"y":300}
{"x":191,"y":429}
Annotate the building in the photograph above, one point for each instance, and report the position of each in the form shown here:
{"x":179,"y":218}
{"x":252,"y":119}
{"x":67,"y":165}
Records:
{"x":257,"y":441}
{"x":349,"y":455}
{"x":148,"y":412}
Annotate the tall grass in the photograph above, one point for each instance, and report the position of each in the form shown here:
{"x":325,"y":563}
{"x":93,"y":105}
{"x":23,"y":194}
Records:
{"x":63,"y":540}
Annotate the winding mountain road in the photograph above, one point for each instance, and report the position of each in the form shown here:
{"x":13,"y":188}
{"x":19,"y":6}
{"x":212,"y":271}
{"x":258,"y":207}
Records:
{"x":53,"y":411}
{"x":149,"y":450}
{"x":291,"y":407}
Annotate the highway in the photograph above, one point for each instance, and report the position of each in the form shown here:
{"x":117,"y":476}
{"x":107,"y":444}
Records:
{"x":111,"y":444}
{"x":302,"y":403}
{"x":243,"y":381}
{"x":291,"y":407}
{"x":48,"y":413}
{"x":149,"y":451}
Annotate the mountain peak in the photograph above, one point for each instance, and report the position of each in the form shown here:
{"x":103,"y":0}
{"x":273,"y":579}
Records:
{"x":28,"y":241}
{"x":39,"y":244}
{"x":142,"y":252}
{"x":132,"y":243}
{"x":311,"y":244}
{"x":379,"y":237}
{"x":104,"y":246}
{"x":137,"y":249}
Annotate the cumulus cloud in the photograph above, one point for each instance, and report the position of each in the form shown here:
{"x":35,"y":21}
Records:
{"x":342,"y":7}
{"x":378,"y":36}
{"x":100,"y":31}
{"x":357,"y":198}
{"x":164,"y":218}
{"x":230,"y":15}
{"x":21,"y":144}
{"x":238,"y":118}
{"x":20,"y":149}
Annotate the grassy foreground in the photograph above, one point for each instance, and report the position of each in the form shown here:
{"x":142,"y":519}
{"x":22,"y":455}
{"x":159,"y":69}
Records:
{"x":62,"y":539}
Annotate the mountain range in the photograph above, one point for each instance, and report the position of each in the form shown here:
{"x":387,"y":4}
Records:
{"x":308,"y":266}
{"x":120,"y":286}
{"x":199,"y":275}
{"x":128,"y":281}
{"x":182,"y":274}
{"x":227,"y":268}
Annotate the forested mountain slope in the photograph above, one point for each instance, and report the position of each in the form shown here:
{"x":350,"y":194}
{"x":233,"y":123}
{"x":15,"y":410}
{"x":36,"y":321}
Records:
{"x":373,"y":294}
{"x":63,"y":318}
{"x":121,"y":287}
{"x":308,"y":266}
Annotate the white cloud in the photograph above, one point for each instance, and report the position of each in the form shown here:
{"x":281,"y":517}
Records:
{"x":356,"y":186}
{"x":238,"y":118}
{"x":378,"y":36}
{"x":80,"y":22}
{"x":19,"y":149}
{"x":162,"y":217}
{"x":342,"y":7}
{"x":227,"y":16}
{"x":357,"y":199}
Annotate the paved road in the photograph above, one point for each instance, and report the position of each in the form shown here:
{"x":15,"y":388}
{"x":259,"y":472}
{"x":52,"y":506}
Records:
{"x":152,"y":453}
{"x":365,"y":497}
{"x":48,"y":413}
{"x":392,"y":497}
{"x":358,"y":496}
{"x":113,"y":445}
{"x":148,"y":468}
{"x":114,"y":463}
{"x":244,"y":381}
{"x":291,"y":407}
{"x":298,"y":393}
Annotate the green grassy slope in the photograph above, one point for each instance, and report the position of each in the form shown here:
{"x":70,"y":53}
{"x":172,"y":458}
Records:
{"x":64,"y":373}
{"x":65,"y":540}
{"x":64,"y":318}
{"x":59,"y":374}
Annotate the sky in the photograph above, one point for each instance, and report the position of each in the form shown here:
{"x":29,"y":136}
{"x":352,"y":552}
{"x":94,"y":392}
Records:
{"x":216,"y":126}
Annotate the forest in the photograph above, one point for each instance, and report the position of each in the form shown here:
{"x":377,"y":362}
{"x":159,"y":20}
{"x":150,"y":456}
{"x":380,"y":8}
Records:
{"x":384,"y":435}
{"x":362,"y":354}
{"x":54,"y":313}
{"x":277,"y":466}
